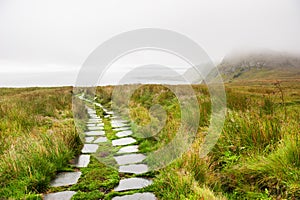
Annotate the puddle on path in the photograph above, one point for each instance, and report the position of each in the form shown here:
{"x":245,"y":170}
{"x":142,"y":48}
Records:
{"x":132,"y":183}
{"x":123,"y":141}
{"x":65,"y":179}
{"x":129,"y":158}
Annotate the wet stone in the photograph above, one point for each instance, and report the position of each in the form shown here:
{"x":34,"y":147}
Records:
{"x":123,"y":141}
{"x":132,"y":183}
{"x":134,"y":168}
{"x":82,"y":161}
{"x":124,"y":133}
{"x":65,"y":179}
{"x":100,"y":139}
{"x":66,"y":195}
{"x":129,"y":158}
{"x":141,"y":196}
{"x":89,"y":139}
{"x":89,"y":148}
{"x":95,"y":133}
{"x":129,"y":149}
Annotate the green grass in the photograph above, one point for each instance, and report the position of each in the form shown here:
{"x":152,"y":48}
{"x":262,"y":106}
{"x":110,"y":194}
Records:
{"x":37,"y":139}
{"x":256,"y":157}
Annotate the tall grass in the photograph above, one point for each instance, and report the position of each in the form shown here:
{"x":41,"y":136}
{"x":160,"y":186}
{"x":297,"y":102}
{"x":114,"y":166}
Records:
{"x":256,"y":157}
{"x":37,"y":138}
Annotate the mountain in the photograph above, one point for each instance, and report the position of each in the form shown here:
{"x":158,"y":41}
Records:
{"x":259,"y":65}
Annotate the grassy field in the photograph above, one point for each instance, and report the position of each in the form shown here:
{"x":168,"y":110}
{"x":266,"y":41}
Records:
{"x":37,"y":139}
{"x":256,"y":157}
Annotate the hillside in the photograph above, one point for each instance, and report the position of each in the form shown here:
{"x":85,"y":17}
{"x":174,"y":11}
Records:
{"x":260,"y":65}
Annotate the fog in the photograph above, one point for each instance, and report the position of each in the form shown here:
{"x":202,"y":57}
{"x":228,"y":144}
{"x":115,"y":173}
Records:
{"x":44,"y":43}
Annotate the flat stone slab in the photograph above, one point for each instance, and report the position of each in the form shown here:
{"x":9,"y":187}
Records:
{"x":123,"y":141}
{"x":89,"y":139}
{"x":94,"y":121}
{"x":100,"y":124}
{"x":82,"y":161}
{"x":130,"y":158}
{"x":93,"y":116}
{"x":65,"y":179}
{"x":121,"y":128}
{"x":119,"y":121}
{"x":89,"y":148}
{"x":140,"y":196}
{"x":100,"y":139}
{"x":95,"y":133}
{"x":134,"y":168}
{"x":132,"y":183}
{"x":115,"y":125}
{"x":66,"y":195}
{"x":124,"y":133}
{"x":95,"y":128}
{"x":129,"y":149}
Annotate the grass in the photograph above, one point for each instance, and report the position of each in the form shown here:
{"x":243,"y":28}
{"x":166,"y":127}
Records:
{"x":37,"y":138}
{"x":256,"y":157}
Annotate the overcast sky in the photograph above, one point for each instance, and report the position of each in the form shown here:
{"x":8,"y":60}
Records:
{"x":46,"y":42}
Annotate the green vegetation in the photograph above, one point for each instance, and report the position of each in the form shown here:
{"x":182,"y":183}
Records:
{"x":37,"y":139}
{"x":256,"y":157}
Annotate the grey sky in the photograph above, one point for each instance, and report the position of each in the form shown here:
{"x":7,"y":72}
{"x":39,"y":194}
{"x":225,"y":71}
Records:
{"x":53,"y":38}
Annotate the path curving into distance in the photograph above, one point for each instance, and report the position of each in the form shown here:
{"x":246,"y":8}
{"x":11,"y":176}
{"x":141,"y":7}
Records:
{"x":128,"y":158}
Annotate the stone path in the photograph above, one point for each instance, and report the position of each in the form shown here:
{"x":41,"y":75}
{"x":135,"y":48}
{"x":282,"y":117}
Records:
{"x":129,"y":161}
{"x":93,"y":136}
{"x":128,"y":158}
